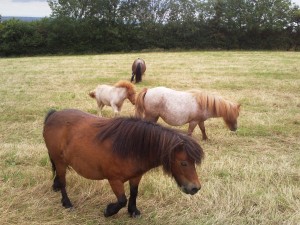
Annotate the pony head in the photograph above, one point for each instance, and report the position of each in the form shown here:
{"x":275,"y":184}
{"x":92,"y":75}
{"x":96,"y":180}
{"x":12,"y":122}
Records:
{"x":130,"y":89}
{"x":180,"y":162}
{"x":232,"y":115}
{"x":183,"y":171}
{"x":219,"y":107}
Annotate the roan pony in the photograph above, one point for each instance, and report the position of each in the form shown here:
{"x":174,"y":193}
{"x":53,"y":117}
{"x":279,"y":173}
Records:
{"x":178,"y":108}
{"x":114,"y":96}
{"x":119,"y":150}
{"x":138,"y":69}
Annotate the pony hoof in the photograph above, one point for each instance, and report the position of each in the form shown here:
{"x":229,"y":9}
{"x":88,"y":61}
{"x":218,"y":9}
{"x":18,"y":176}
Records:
{"x":136,"y":214}
{"x":67,"y":205}
{"x":107,"y":214}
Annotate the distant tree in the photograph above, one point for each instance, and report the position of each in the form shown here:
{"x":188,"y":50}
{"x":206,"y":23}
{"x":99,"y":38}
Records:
{"x":76,"y":9}
{"x":85,"y":9}
{"x":294,"y":29}
{"x":79,"y":26}
{"x":296,"y":19}
{"x":20,"y":38}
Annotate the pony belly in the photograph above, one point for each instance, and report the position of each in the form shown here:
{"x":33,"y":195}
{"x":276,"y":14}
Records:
{"x":84,"y":163}
{"x":175,"y":107}
{"x":105,"y":101}
{"x":87,"y":170}
{"x":98,"y":163}
{"x":175,"y":120}
{"x":177,"y":116}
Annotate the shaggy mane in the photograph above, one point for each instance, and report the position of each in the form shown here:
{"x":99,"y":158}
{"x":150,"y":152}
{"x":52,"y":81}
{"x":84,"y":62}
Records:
{"x":125,"y":84}
{"x":147,"y":142}
{"x":217,"y":105}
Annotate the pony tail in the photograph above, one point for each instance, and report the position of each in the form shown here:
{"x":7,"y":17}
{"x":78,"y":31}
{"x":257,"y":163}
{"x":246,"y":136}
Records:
{"x":138,"y":76}
{"x":139,"y":103}
{"x":53,"y":167}
{"x":92,"y":94}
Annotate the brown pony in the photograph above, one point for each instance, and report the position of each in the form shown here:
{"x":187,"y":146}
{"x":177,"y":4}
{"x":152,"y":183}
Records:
{"x":138,"y":69}
{"x":180,"y":107}
{"x":114,"y":96}
{"x":119,"y":150}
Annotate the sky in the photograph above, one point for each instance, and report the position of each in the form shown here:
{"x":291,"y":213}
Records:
{"x":34,"y":8}
{"x":30,"y":8}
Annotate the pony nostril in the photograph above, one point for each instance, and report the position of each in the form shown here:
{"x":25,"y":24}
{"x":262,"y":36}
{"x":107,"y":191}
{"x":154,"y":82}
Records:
{"x":194,"y":190}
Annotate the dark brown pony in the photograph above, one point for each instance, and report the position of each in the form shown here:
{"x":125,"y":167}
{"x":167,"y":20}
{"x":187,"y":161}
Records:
{"x":119,"y":150}
{"x":138,"y":69}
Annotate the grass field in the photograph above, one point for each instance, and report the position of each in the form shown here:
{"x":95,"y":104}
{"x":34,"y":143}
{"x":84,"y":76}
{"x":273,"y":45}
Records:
{"x":248,"y":177}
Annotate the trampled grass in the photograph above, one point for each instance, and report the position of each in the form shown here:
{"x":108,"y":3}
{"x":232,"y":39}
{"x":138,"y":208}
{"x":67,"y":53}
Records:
{"x":248,"y":177}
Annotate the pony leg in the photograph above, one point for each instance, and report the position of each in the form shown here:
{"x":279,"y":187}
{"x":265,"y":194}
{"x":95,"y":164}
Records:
{"x":113,"y":208}
{"x":191,"y":128}
{"x":116,"y":109}
{"x":100,"y":105}
{"x":202,"y":128}
{"x":132,"y":77}
{"x":56,"y":184}
{"x":60,"y":182}
{"x":134,"y":185}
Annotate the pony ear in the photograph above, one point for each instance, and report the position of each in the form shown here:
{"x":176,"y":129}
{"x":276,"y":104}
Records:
{"x":239,"y":106}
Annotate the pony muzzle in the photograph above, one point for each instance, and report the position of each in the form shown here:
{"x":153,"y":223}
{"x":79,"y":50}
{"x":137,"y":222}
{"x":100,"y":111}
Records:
{"x":233,"y":128}
{"x":190,"y":189}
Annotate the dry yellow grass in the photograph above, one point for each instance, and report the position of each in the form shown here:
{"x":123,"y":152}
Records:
{"x":248,"y":177}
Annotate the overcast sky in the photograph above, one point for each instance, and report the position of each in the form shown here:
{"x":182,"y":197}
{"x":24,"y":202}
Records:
{"x":34,"y":8}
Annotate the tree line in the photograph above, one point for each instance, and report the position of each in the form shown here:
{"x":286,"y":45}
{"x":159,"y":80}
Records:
{"x":96,"y":26}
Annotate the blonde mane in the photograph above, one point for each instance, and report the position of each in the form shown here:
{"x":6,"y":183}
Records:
{"x":125,"y":84}
{"x":217,"y":105}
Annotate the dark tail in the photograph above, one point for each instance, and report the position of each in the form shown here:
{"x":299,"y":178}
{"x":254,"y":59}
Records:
{"x":50,"y":112}
{"x":53,"y":167}
{"x":138,"y":73}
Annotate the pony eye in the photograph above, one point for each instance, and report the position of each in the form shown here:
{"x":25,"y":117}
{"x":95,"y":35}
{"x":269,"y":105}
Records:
{"x":183,"y":163}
